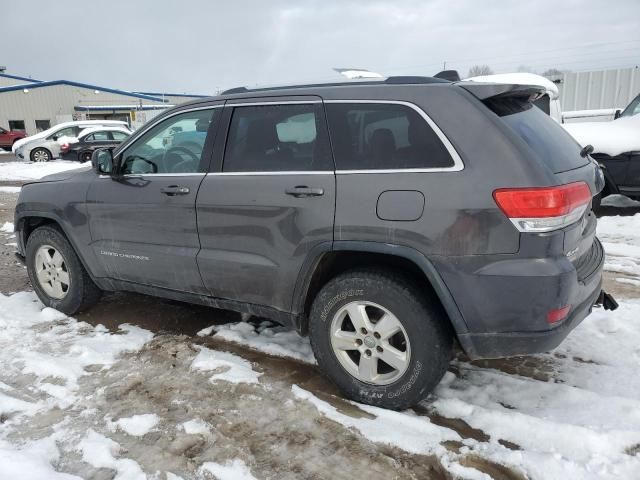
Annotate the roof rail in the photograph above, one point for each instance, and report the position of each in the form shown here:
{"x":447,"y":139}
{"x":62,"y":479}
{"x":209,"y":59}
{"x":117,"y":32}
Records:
{"x":399,"y":80}
{"x":412,"y":79}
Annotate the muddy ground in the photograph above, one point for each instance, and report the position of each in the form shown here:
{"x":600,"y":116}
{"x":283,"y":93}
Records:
{"x":277,"y":437}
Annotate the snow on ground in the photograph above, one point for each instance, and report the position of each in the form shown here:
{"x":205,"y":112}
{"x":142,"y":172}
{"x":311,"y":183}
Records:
{"x":137,"y":425}
{"x":620,"y":237}
{"x":7,"y":227}
{"x":50,"y":352}
{"x":619,"y":201}
{"x":195,"y":427}
{"x":100,"y":452}
{"x":235,"y":470}
{"x":228,"y":367}
{"x":267,"y":338}
{"x":10,"y":189}
{"x":23,"y":171}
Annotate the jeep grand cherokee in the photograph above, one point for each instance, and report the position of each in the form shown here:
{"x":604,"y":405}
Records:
{"x":383,"y":218}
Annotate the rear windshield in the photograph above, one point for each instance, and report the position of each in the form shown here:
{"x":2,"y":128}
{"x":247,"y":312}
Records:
{"x":546,"y":138}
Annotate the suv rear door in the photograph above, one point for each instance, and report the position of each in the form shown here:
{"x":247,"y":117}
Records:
{"x":269,"y":200}
{"x":143,"y":220}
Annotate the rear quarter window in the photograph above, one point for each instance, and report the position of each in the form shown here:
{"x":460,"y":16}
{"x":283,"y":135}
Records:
{"x":380,"y":136}
{"x":546,"y":139}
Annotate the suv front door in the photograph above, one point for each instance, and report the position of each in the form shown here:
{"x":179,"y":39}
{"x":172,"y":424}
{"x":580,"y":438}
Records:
{"x":143,"y":220}
{"x":269,"y":201}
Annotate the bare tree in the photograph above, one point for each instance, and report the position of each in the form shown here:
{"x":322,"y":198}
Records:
{"x":525,"y":69}
{"x":478,"y":70}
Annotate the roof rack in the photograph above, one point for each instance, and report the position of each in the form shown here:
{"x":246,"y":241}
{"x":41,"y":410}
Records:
{"x":398,"y":80}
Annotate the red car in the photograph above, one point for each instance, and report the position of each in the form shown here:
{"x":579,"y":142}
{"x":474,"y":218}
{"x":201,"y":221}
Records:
{"x":8,"y":137}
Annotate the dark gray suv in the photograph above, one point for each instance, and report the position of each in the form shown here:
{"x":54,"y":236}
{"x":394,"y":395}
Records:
{"x":385,"y":219}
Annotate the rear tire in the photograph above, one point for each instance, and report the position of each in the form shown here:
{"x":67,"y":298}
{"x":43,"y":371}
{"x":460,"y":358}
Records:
{"x":418,"y":353}
{"x":56,"y":273}
{"x":84,"y":156}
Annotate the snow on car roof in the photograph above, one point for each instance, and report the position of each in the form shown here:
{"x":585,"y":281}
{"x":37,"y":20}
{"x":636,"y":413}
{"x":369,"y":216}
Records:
{"x":59,"y":126}
{"x":89,"y":130}
{"x":611,"y":138}
{"x":520,"y":78}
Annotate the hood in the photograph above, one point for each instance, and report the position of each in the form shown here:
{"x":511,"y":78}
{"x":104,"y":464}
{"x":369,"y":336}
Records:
{"x":57,"y":177}
{"x":610,"y":138}
{"x":25,"y":140}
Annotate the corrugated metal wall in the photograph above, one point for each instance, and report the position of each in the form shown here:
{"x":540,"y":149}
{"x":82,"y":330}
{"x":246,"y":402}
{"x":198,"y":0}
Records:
{"x":55,"y":103}
{"x":598,"y":89}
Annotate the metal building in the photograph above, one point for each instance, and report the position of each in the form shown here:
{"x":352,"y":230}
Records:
{"x":603,"y":89}
{"x":35,"y":105}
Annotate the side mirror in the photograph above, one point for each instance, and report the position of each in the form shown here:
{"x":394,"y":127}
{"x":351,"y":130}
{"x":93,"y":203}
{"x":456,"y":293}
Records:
{"x":102,"y":161}
{"x":617,"y":114}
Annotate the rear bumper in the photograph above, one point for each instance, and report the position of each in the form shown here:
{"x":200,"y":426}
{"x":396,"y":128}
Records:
{"x":495,"y":345}
{"x":504,"y":300}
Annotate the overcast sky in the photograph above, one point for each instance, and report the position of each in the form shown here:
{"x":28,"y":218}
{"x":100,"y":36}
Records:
{"x":200,"y":46}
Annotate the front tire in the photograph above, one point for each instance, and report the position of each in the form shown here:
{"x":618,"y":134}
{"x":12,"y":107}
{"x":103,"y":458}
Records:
{"x":379,"y":338}
{"x":40,"y":155}
{"x":56,"y":273}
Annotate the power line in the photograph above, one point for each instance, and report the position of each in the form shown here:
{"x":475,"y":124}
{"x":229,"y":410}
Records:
{"x":523,"y":56}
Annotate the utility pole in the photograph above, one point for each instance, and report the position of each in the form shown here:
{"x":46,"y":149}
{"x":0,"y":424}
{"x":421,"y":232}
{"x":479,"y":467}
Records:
{"x":444,"y":65}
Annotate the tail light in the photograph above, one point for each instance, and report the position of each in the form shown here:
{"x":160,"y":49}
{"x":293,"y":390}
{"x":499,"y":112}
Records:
{"x":544,"y":209}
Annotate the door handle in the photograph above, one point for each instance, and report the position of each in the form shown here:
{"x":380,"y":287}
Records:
{"x":302,"y":191}
{"x":173,"y":190}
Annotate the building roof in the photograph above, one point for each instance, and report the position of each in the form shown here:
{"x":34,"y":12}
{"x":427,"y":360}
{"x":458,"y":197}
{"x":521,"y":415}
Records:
{"x":27,"y":80}
{"x":16,"y":77}
{"x":41,"y":84}
{"x":160,"y":94}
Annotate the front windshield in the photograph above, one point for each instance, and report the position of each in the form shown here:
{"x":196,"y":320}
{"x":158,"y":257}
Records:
{"x":632,"y":109}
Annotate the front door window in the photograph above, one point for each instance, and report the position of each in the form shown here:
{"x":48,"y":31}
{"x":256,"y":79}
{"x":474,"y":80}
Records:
{"x":174,"y":145}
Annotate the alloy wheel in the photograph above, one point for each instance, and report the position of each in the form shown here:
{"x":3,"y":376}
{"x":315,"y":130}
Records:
{"x":40,"y":155}
{"x":51,"y":272}
{"x":370,"y":343}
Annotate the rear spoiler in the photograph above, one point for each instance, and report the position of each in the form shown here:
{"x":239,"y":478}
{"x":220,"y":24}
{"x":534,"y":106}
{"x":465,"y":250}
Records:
{"x":486,"y":91}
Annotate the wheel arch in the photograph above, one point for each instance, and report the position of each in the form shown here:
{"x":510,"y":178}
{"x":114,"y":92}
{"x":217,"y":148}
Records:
{"x":27,"y":222}
{"x":344,"y":255}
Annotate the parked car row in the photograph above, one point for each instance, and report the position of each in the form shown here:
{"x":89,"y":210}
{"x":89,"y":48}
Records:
{"x":44,"y":146}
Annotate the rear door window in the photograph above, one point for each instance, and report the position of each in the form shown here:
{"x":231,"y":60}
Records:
{"x":119,"y":136}
{"x":100,"y":136}
{"x":545,"y":138}
{"x":277,"y":138}
{"x":376,"y":136}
